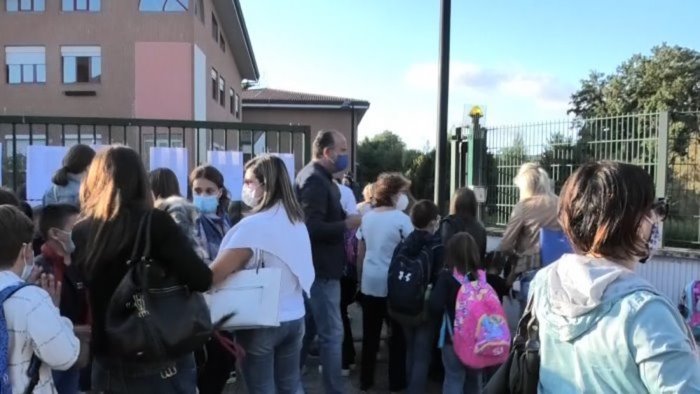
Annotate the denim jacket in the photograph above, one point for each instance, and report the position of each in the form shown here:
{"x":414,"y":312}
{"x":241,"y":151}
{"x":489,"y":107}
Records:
{"x":604,"y":329}
{"x":68,"y":194}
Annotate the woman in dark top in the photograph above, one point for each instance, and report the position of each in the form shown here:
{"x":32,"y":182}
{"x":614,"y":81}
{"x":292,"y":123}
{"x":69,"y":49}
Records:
{"x":463,"y":218}
{"x":114,"y":198}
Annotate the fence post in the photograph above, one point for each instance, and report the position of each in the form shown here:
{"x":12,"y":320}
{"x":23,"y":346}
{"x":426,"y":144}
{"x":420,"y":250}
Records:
{"x":664,"y":124}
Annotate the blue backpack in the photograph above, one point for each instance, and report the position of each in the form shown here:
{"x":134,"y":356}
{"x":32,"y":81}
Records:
{"x":33,"y":372}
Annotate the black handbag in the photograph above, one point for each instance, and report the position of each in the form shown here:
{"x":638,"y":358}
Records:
{"x":520,"y":374}
{"x":152,"y":317}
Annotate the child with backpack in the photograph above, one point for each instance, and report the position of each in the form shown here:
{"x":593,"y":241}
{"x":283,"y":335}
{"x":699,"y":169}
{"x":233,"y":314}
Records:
{"x":55,"y":226}
{"x":474,"y":334}
{"x":34,"y":338}
{"x":412,"y":274}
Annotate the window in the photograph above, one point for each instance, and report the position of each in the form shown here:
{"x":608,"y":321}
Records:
{"x":199,"y":9}
{"x":214,"y":28}
{"x":25,"y":65}
{"x":231,"y":95}
{"x":25,"y":5}
{"x":222,"y":43}
{"x":81,"y":64}
{"x":238,"y":106}
{"x":163,"y":5}
{"x":222,"y":92}
{"x":214,"y":85}
{"x":81,"y":5}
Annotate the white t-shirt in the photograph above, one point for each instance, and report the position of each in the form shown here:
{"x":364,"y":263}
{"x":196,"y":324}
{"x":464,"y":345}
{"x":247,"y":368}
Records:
{"x":381,"y":231}
{"x":291,"y":306}
{"x":347,"y":199}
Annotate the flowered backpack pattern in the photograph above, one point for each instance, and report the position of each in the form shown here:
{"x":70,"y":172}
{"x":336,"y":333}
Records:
{"x":480,"y":337}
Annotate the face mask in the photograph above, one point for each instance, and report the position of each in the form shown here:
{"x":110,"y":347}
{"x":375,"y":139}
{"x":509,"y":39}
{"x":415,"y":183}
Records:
{"x":402,"y":202}
{"x":68,"y":247}
{"x":341,"y":163}
{"x":654,"y":242}
{"x":248,"y":196}
{"x":206,"y":204}
{"x":28,"y":266}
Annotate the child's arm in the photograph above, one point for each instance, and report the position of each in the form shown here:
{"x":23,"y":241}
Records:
{"x":438,"y":296}
{"x":52,"y":335}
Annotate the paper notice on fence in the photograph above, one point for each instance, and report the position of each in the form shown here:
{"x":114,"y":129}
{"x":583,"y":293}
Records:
{"x":230,"y":164}
{"x":42,"y":162}
{"x":288,"y":159}
{"x":174,"y":159}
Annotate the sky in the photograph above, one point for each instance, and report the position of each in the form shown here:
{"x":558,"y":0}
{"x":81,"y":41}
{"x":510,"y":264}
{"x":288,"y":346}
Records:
{"x":518,"y":59}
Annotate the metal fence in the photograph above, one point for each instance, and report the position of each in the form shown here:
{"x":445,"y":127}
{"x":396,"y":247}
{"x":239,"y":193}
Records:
{"x":665,"y":144}
{"x":17,"y":133}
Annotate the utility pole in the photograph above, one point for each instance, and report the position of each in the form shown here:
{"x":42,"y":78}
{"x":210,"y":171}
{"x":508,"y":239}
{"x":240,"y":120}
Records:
{"x":441,"y":170}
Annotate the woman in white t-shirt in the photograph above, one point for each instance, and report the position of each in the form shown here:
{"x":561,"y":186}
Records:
{"x":275,"y":234}
{"x":381,"y":231}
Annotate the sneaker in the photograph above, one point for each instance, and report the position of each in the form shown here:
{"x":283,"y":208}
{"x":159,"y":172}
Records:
{"x":232,"y":377}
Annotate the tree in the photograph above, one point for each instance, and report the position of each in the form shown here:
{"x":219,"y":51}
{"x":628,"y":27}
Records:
{"x":421,"y":172}
{"x":382,"y":153}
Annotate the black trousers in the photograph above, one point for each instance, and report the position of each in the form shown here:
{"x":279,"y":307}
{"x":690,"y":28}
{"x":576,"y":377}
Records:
{"x":374,"y":314}
{"x":348,"y":288}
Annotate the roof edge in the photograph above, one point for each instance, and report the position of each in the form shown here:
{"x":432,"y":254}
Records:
{"x":246,"y":38}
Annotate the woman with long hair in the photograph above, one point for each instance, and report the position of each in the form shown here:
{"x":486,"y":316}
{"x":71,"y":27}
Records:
{"x":381,"y":231}
{"x":114,"y":197}
{"x":210,"y":197}
{"x":66,"y":181}
{"x":463,"y":218}
{"x":602,"y":327}
{"x":164,"y":183}
{"x":274,"y":233}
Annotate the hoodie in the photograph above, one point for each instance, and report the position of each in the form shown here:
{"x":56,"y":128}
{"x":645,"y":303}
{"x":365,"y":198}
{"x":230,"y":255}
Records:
{"x":604,"y":329}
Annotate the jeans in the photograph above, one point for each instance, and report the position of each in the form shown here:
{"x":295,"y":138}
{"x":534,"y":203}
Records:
{"x":374,"y":314}
{"x":324,"y":302}
{"x":67,"y":382}
{"x":348,"y":287}
{"x":419,"y":346}
{"x":117,"y":376}
{"x":271,"y":364}
{"x":459,"y":379}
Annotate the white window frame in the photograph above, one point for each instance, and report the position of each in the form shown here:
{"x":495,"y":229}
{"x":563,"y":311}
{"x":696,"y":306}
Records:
{"x":81,"y":51}
{"x":38,"y":61}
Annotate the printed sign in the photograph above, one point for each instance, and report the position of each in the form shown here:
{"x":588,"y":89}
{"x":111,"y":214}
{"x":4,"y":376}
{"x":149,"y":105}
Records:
{"x":230,"y":164}
{"x":288,"y":159}
{"x":42,"y":162}
{"x":174,"y":159}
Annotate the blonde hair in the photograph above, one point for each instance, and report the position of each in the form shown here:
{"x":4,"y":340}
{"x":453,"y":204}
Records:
{"x":368,"y":193}
{"x":532,"y":180}
{"x":272,"y":174}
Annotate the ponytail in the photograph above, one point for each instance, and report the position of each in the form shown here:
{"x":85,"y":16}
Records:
{"x":224,"y":202}
{"x":60,"y":177}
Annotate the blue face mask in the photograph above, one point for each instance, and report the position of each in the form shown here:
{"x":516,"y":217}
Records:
{"x":341,"y":163}
{"x":206,"y":204}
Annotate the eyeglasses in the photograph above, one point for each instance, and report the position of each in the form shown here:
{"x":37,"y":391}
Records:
{"x":660,"y":208}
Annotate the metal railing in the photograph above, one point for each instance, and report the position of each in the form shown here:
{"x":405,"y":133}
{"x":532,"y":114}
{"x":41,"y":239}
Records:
{"x":665,"y":144}
{"x":19,"y":132}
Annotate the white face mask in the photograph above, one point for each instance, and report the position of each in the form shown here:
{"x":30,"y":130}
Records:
{"x":248,"y":196}
{"x":28,"y":265}
{"x":402,"y":202}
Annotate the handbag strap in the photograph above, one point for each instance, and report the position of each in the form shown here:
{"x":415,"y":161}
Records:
{"x":144,"y":225}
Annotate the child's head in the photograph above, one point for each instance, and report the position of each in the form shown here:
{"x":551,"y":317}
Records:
{"x":463,"y":254}
{"x":56,"y":224}
{"x":16,"y":233}
{"x":425,"y":216}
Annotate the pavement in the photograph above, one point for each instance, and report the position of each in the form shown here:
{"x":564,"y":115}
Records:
{"x":312,"y":378}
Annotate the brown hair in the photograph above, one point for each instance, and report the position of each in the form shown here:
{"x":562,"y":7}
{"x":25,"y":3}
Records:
{"x":272,"y":174}
{"x":164,"y":183}
{"x":114,"y":194}
{"x":602,"y":206}
{"x":325,"y":139}
{"x":463,"y":254}
{"x":76,"y":161}
{"x":16,"y":230}
{"x":387,"y":186}
{"x":215,"y":176}
{"x":463,"y":204}
{"x":424,"y":212}
{"x":9,"y":197}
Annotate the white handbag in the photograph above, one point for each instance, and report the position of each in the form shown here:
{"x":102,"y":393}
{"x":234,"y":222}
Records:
{"x":252,"y":295}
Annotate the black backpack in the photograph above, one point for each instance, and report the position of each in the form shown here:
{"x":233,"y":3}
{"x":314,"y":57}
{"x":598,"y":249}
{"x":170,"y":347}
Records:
{"x":409,"y":285}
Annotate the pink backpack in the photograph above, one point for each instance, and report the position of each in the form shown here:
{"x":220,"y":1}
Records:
{"x":481,"y":337}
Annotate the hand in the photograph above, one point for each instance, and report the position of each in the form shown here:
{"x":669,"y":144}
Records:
{"x":34,"y":275}
{"x":352,"y":222}
{"x":52,"y":286}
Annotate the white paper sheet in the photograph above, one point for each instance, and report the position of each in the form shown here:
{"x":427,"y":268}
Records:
{"x":174,"y":159}
{"x":42,"y":162}
{"x":288,"y":159}
{"x":230,"y":163}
